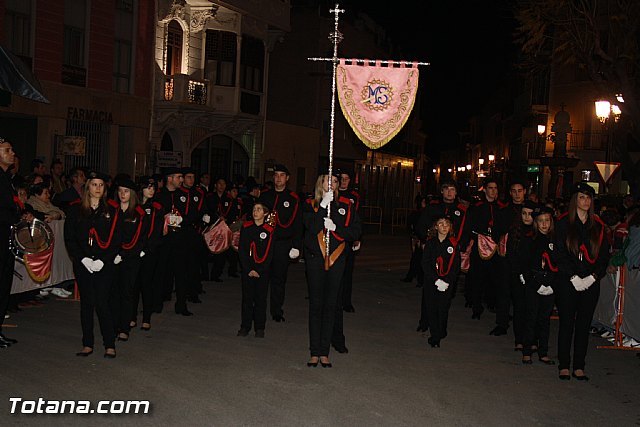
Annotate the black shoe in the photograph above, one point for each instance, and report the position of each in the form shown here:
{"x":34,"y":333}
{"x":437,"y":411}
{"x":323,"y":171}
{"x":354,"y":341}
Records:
{"x":123,"y":336}
{"x":260,"y":333}
{"x":498,"y":331}
{"x":195,"y":300}
{"x":9,"y":340}
{"x":243,"y":333}
{"x":325,"y":364}
{"x":313,"y":364}
{"x":184,"y":312}
{"x":527,"y":361}
{"x":433,"y":343}
{"x":580,"y":377}
{"x":278,"y":319}
{"x":341,"y":348}
{"x":349,"y":308}
{"x":546,"y":361}
{"x":516,"y":348}
{"x":564,"y":377}
{"x":84,"y":353}
{"x":110,"y":355}
{"x":145,"y":328}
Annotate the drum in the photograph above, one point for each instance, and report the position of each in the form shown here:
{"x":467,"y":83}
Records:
{"x":32,"y":244}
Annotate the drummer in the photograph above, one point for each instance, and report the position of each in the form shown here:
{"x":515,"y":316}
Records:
{"x":10,"y":212}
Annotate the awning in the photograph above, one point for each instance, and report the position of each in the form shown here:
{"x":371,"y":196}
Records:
{"x":16,"y":78}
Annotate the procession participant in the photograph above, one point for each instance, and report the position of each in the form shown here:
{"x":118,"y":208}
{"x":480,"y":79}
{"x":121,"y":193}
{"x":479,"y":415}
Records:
{"x":539,"y":269}
{"x":509,"y":287}
{"x":583,"y":255}
{"x":92,"y":236}
{"x":217,"y":203}
{"x":324,"y":271}
{"x":415,"y":267}
{"x":441,"y":265}
{"x":151,"y":271}
{"x":197,"y":216}
{"x":288,"y":236}
{"x":352,"y":247}
{"x":485,"y":267}
{"x":451,"y":206}
{"x":255,"y":253}
{"x":175,"y":252}
{"x":10,"y":212}
{"x":133,"y":233}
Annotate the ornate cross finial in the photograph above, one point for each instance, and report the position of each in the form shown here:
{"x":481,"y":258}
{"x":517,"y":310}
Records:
{"x":336,"y":36}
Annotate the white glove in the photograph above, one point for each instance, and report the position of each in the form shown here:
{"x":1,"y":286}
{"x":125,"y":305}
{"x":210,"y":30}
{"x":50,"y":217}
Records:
{"x":326,"y":199}
{"x":97,"y":265}
{"x":329,"y":224}
{"x":294,"y":253}
{"x":88,"y":264}
{"x":356,"y":246}
{"x":142,"y":254}
{"x":545,"y":290}
{"x":442,"y":285}
{"x":117,"y":260}
{"x":206,"y":218}
{"x":588,"y":281}
{"x":577,"y":283}
{"x":522,"y":279}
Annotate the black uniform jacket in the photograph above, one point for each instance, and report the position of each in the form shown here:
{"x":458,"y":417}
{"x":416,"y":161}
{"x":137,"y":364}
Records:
{"x":344,"y":216}
{"x":441,"y":260}
{"x":181,"y":201}
{"x":154,"y":219}
{"x":255,"y":249}
{"x":134,"y":232}
{"x":457,"y":211}
{"x":539,"y":261}
{"x":586,"y":262}
{"x":95,"y":234}
{"x":288,"y":208}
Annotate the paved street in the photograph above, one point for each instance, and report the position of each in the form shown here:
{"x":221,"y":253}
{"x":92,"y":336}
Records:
{"x":195,"y":371}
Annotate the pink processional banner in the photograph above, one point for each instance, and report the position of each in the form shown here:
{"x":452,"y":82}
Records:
{"x":376,"y":100}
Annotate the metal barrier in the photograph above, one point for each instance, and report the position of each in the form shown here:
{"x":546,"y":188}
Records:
{"x":399,"y":218}
{"x":371,"y":215}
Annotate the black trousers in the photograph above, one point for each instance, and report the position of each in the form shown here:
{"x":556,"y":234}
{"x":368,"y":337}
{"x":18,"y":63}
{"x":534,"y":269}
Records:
{"x":95,"y":289}
{"x":195,"y":242}
{"x":278,"y":276}
{"x":176,"y":256}
{"x":254,"y":301}
{"x":537,"y":321}
{"x":347,"y":277}
{"x":415,"y":265}
{"x":485,"y":276}
{"x":148,"y":287}
{"x":122,"y":293}
{"x":7,"y":262}
{"x":510,"y":292}
{"x":438,"y":304}
{"x":337,"y":337}
{"x":575,"y":310}
{"x":324,"y":288}
{"x":219,"y":260}
{"x":424,"y":309}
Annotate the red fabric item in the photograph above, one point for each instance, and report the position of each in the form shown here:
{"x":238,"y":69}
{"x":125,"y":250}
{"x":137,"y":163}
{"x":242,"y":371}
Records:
{"x":218,"y":237}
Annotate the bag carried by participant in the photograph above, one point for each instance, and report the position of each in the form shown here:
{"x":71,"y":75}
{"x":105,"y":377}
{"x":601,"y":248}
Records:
{"x":218,"y":236}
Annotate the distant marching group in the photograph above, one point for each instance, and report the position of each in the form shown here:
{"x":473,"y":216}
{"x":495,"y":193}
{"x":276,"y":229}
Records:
{"x":520,"y":254}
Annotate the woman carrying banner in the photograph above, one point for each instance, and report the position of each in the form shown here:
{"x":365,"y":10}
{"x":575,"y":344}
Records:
{"x":92,"y":237}
{"x":151,"y":273}
{"x":538,"y":273}
{"x":441,"y":265}
{"x":128,"y":260}
{"x":255,"y":254}
{"x":324,"y":271}
{"x":583,"y":254}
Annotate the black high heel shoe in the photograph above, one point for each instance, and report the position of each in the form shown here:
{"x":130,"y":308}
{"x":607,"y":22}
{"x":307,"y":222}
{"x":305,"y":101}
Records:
{"x":546,"y":360}
{"x":433,"y":343}
{"x":110,"y":355}
{"x":145,"y":328}
{"x":311,"y":364}
{"x":580,"y":377}
{"x":123,"y":336}
{"x":528,"y":361}
{"x":326,"y":364}
{"x":564,"y":377}
{"x":84,"y":353}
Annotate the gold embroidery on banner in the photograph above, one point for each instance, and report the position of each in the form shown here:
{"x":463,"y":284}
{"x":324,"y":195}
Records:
{"x":375,"y":135}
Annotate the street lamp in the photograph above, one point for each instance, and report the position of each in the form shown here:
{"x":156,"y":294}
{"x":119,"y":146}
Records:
{"x":603,"y":110}
{"x":492,"y":157}
{"x":481,"y":162}
{"x":468,"y":167}
{"x":542,"y":129}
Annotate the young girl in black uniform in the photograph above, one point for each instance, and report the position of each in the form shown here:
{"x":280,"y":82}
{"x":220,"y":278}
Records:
{"x":583,"y":255}
{"x":441,"y":265}
{"x":92,"y":237}
{"x":129,"y":257}
{"x":539,"y":268}
{"x":150,"y":274}
{"x":255,"y":253}
{"x":324,"y":273}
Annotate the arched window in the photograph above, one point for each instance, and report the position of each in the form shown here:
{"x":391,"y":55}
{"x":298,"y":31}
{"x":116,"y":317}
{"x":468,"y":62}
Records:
{"x":174,"y":49}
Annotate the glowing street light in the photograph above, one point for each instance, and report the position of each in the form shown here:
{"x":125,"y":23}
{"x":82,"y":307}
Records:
{"x":481,"y":161}
{"x":492,"y":157}
{"x":542,"y":129}
{"x":603,"y":110}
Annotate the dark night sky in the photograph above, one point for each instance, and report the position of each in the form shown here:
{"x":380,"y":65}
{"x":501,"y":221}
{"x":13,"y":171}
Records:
{"x":469,"y":45}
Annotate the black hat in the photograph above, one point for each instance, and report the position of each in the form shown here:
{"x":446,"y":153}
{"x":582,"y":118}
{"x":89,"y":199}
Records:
{"x":280,"y":168}
{"x":127,"y":183}
{"x":530,"y":204}
{"x":439,"y":216}
{"x":147,"y":181}
{"x":448,"y":183}
{"x":583,"y":187}
{"x":187,"y":170}
{"x":171,"y":171}
{"x":542,"y":209}
{"x":98,"y":175}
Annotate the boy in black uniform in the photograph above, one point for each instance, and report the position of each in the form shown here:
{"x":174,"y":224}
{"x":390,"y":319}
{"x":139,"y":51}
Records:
{"x":197,"y":212}
{"x":352,"y":247}
{"x":175,"y":252}
{"x":288,"y":238}
{"x":255,"y":253}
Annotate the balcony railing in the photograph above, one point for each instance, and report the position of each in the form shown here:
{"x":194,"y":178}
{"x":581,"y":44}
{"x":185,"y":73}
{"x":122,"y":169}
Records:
{"x":182,"y":88}
{"x":595,"y":140}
